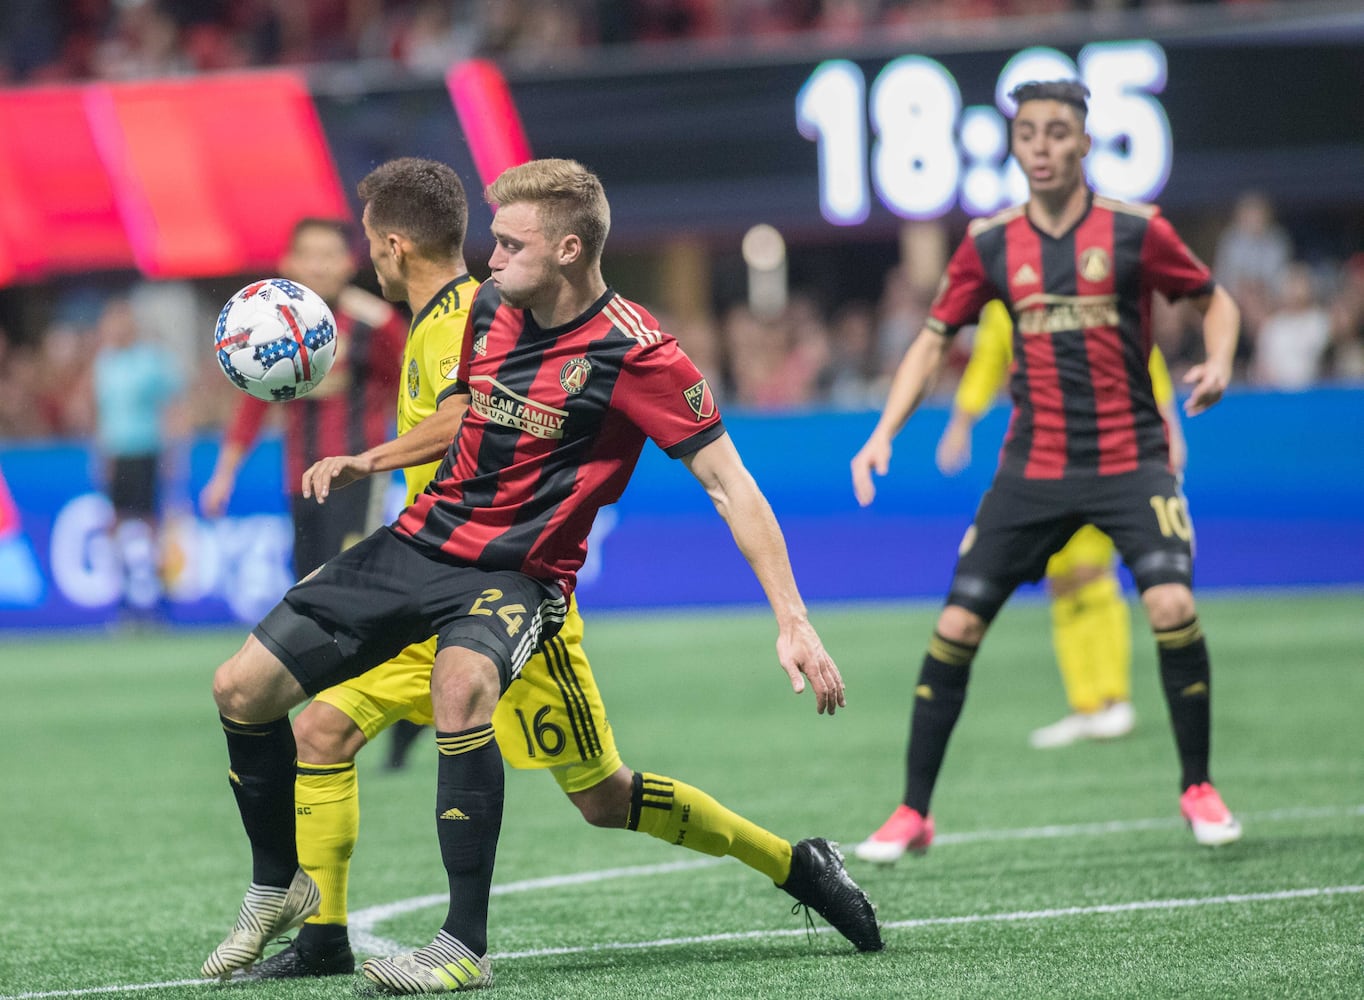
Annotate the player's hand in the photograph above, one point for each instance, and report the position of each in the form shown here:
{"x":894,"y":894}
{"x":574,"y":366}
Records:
{"x":332,"y":474}
{"x":1209,"y":383}
{"x":214,"y":496}
{"x":874,"y":457}
{"x":802,"y":655}
{"x":954,"y":448}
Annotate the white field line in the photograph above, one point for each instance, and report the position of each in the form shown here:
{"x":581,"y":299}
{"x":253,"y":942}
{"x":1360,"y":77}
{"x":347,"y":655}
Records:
{"x":363,"y":940}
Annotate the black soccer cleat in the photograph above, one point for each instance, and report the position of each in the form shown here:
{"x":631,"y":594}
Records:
{"x":818,"y":880}
{"x":306,"y":963}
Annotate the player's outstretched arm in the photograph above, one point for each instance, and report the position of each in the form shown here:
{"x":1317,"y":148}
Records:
{"x":425,"y":442}
{"x":1221,"y":327}
{"x":912,"y":381}
{"x":718,"y":468}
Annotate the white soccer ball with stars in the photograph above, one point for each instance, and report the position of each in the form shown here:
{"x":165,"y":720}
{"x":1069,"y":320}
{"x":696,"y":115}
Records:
{"x":275,"y":339}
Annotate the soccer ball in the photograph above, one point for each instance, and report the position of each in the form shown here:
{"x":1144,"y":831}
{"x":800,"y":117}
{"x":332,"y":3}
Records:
{"x":275,"y":339}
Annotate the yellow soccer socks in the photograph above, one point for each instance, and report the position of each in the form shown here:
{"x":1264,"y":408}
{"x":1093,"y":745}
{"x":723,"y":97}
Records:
{"x":327,"y":807}
{"x":1092,"y":635}
{"x":680,"y":814}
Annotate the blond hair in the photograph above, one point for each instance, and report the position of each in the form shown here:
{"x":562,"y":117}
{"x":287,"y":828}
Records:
{"x":569,"y":196}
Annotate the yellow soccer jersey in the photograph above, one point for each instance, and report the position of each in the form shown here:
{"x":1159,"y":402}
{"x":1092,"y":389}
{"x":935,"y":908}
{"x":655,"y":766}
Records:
{"x":430,"y":365}
{"x":992,"y":353}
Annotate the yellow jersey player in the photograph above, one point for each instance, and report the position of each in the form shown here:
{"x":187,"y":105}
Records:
{"x":1091,"y":625}
{"x":551,"y":717}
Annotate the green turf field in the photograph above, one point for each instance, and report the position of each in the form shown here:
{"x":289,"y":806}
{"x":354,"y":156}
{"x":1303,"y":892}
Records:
{"x":1061,"y":873}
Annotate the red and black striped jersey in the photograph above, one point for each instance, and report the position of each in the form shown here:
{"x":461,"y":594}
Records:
{"x":556,"y":421}
{"x":1081,"y":308}
{"x":352,"y":409}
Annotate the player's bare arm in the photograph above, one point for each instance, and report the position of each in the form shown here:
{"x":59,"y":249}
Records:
{"x":718,"y":468}
{"x":425,"y":442}
{"x":217,"y":491}
{"x":913,"y":379}
{"x":954,"y":447}
{"x":1221,"y":327}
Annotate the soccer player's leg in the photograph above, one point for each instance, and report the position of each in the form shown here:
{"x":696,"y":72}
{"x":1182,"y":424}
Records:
{"x":1091,"y":633}
{"x":289,"y":655}
{"x":254,"y":693}
{"x":488,"y":625}
{"x":1016,"y":529}
{"x":330,"y":732}
{"x":1148,"y":518}
{"x":553,"y":718}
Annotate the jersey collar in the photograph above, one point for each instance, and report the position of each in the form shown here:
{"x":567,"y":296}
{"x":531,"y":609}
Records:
{"x":439,"y":297}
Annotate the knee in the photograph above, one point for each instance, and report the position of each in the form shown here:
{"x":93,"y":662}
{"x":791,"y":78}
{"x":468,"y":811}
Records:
{"x":253,"y":685}
{"x":326,"y":735}
{"x":1169,"y":605}
{"x":607,"y":803}
{"x":956,"y":624}
{"x":232,"y":694}
{"x":464,"y":691}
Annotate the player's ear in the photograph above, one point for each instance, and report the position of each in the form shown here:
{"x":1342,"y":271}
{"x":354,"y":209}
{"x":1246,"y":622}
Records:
{"x":1086,"y":141}
{"x":570,"y":249}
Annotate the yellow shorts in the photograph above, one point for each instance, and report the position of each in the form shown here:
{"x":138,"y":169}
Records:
{"x":1088,"y":548}
{"x":551,"y":717}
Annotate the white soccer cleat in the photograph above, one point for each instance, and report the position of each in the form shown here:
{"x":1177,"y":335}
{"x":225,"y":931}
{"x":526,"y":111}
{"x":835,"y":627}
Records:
{"x":266,"y":913}
{"x":1112,"y":722}
{"x":1108,"y":723}
{"x":443,"y":966}
{"x":1069,"y":730}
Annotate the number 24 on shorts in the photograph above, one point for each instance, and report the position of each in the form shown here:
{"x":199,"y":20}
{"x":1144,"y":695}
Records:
{"x":512,"y":615}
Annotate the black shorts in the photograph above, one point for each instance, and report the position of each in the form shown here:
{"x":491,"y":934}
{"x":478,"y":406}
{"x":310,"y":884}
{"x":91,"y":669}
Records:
{"x":133,"y":485}
{"x":386,"y":592}
{"x":321,"y":530}
{"x":1021,"y":523}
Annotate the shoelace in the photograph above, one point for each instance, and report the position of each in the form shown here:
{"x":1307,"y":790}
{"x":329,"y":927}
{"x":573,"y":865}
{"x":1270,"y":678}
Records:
{"x":809,"y":921}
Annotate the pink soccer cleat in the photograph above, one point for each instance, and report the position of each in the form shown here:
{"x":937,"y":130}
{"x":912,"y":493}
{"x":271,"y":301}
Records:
{"x":1211,"y":821}
{"x":906,"y":830}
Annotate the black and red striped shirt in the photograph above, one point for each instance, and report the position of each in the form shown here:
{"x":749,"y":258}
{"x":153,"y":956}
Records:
{"x":1081,"y":309}
{"x":556,"y":422}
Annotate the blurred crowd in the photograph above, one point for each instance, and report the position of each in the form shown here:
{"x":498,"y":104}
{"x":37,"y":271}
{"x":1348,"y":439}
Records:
{"x":57,"y":40}
{"x":1303,"y":325}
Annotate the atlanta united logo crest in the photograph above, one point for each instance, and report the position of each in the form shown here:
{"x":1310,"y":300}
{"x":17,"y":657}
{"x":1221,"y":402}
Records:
{"x":574,"y":374}
{"x":1095,"y":264}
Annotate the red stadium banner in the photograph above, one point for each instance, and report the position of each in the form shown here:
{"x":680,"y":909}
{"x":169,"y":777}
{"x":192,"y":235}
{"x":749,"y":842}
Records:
{"x":487,"y":114}
{"x":211,"y":174}
{"x":59,"y":212}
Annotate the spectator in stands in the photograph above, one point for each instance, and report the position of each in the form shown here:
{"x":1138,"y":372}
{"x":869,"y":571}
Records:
{"x":851,"y":373}
{"x":1253,"y":249}
{"x":1293,"y":338}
